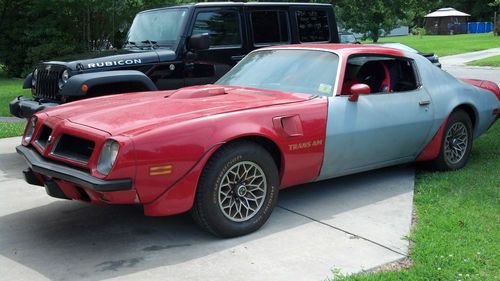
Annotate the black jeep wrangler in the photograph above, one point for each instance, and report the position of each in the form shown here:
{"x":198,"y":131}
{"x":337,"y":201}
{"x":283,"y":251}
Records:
{"x":172,"y":47}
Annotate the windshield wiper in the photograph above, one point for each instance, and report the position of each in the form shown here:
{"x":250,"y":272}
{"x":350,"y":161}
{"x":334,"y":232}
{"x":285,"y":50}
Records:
{"x":131,"y":44}
{"x":152,"y":44}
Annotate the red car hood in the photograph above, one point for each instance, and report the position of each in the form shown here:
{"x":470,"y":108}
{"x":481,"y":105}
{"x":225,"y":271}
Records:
{"x":129,"y":113}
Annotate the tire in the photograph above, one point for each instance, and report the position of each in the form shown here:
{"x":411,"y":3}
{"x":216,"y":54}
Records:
{"x":229,"y":202}
{"x":456,"y":143}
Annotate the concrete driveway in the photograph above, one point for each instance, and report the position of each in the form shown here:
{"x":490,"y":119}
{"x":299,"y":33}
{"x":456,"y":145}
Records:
{"x":455,"y":65}
{"x":352,"y":223}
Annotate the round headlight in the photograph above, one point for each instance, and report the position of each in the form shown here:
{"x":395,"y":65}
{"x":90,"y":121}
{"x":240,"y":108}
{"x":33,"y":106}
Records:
{"x":64,"y":78}
{"x":34,"y":77}
{"x":30,"y":128}
{"x":108,"y":156}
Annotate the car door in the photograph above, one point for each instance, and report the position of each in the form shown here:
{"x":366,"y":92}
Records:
{"x":379,"y":129}
{"x":224,"y":26}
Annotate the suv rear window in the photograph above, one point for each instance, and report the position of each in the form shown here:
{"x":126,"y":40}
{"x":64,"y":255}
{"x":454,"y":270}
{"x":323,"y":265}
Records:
{"x":313,"y":26}
{"x":223,"y":27}
{"x":270,"y":27}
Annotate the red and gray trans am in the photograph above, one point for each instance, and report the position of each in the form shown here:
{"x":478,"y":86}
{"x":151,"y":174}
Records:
{"x":283,"y":116}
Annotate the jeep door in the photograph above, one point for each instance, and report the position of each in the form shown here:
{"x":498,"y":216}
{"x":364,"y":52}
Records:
{"x":226,"y":30}
{"x":268,"y":25}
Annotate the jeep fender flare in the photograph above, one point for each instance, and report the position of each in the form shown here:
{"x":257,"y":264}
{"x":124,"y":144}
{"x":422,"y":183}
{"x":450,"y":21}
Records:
{"x":73,"y":87}
{"x":27,"y":81}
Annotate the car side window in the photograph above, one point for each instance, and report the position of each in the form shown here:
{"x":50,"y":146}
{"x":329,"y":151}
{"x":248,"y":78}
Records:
{"x":270,"y":27}
{"x":313,"y":25}
{"x":222,"y":26}
{"x":382,"y":74}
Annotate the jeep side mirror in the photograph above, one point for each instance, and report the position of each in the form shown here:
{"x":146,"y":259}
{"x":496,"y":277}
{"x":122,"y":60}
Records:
{"x":358,"y":89}
{"x":199,"y":42}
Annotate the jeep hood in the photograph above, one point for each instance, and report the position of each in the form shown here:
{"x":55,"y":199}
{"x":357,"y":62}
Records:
{"x":112,"y":59}
{"x":133,"y":113}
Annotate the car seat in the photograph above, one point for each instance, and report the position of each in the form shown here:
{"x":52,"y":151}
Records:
{"x":376,"y":75}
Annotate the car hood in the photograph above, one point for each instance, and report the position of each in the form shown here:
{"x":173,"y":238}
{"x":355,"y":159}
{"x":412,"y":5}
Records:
{"x":133,"y":113}
{"x":112,"y":59}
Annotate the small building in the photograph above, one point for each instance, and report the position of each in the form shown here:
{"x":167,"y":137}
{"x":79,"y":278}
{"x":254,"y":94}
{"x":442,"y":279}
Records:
{"x":446,"y":21}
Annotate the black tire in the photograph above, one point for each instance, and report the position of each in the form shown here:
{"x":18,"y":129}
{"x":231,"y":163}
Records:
{"x":208,"y":210}
{"x":446,"y":160}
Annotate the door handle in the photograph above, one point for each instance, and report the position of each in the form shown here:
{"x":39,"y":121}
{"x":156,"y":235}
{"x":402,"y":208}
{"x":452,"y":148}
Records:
{"x":424,"y":102}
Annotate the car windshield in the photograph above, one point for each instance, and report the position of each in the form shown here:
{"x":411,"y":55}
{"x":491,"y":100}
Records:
{"x":162,"y":27}
{"x":301,"y":71}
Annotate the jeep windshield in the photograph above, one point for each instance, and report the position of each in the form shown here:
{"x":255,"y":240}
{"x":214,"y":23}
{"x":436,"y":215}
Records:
{"x":163,"y":27}
{"x":301,"y":71}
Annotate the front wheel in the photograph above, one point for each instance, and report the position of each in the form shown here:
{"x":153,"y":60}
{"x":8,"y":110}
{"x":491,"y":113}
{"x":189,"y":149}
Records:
{"x":456,"y":144}
{"x":237,"y":191}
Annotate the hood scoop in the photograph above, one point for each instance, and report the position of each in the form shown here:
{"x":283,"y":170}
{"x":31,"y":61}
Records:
{"x":198,"y":92}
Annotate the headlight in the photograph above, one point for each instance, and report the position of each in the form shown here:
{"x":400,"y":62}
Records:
{"x":33,"y":77}
{"x":30,"y":129}
{"x":108,"y":156}
{"x":64,"y":78}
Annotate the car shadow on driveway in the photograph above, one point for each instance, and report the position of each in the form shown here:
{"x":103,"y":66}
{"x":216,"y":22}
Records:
{"x":72,"y":240}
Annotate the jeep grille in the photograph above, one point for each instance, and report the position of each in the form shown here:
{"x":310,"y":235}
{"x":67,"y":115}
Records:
{"x":47,"y":82}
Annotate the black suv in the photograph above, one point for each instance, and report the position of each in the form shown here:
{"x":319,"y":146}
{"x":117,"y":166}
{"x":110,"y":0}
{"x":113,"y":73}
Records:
{"x":178,"y":46}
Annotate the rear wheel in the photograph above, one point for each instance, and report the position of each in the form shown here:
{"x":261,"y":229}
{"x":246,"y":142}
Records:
{"x":237,"y":191}
{"x":456,"y":144}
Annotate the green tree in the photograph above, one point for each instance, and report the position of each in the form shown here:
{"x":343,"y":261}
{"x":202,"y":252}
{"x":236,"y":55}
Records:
{"x":373,"y":16}
{"x":32,"y":31}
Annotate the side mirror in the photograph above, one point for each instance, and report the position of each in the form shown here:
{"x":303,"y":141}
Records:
{"x":358,"y":89}
{"x":199,"y":42}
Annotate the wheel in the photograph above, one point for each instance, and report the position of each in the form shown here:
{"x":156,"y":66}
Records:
{"x":237,"y":190}
{"x":456,"y":144}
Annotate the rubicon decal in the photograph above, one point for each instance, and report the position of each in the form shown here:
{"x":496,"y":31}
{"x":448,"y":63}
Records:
{"x":114,"y":63}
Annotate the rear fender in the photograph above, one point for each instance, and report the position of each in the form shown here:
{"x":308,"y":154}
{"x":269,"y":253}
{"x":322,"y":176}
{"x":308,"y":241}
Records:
{"x":484,"y":84}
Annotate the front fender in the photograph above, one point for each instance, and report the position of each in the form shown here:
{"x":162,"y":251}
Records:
{"x":27,"y":81}
{"x":74,"y":85}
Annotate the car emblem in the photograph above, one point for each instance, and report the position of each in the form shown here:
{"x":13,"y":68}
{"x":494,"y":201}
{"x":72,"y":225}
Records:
{"x":48,"y":67}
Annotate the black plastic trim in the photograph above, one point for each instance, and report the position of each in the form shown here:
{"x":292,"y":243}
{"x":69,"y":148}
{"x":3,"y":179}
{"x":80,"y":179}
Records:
{"x":80,"y":178}
{"x":54,"y":190}
{"x":23,"y":107}
{"x":30,"y":178}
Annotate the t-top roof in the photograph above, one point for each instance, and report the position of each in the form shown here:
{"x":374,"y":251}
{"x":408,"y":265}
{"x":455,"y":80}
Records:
{"x":446,"y":12}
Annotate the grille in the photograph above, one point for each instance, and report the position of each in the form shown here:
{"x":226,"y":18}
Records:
{"x":44,"y":136}
{"x":74,"y":148}
{"x":47,"y":86}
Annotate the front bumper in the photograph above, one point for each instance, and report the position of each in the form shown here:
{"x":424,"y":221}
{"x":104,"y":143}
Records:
{"x":52,"y":170}
{"x":23,"y":107}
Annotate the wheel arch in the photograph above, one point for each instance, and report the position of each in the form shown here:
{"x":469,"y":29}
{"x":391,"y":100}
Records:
{"x":73,"y":87}
{"x":269,"y":145}
{"x":471,"y":111}
{"x":432,"y":149}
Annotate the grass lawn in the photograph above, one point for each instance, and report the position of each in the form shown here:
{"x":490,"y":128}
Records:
{"x":444,"y":45}
{"x":11,"y":129}
{"x":491,"y":61}
{"x":9,"y":89}
{"x":457,"y":230}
